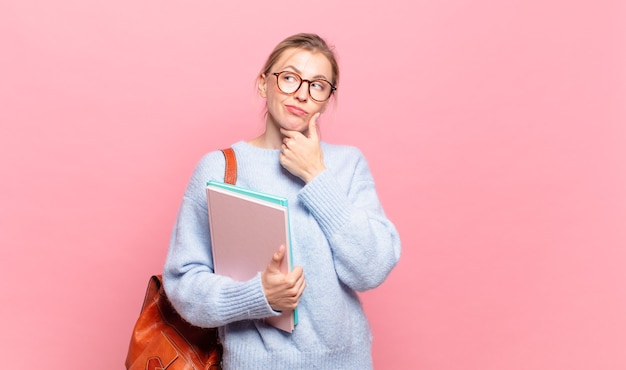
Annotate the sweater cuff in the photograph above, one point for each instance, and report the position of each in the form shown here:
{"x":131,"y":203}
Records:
{"x":323,"y":198}
{"x":246,"y":294}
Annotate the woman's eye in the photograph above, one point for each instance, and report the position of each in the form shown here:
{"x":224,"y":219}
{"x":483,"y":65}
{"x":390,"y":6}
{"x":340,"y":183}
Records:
{"x":318,"y":85}
{"x":289,"y":78}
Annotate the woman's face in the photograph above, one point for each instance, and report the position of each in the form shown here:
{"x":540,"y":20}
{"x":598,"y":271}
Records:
{"x":293,"y":111}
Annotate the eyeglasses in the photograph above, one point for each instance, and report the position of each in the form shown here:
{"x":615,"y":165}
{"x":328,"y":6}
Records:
{"x":289,"y":82}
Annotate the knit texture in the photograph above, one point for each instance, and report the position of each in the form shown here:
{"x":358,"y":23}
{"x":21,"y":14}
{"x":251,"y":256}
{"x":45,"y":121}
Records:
{"x":340,"y":236}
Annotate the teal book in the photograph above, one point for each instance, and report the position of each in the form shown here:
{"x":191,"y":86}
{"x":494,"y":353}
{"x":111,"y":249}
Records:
{"x":247,"y":227}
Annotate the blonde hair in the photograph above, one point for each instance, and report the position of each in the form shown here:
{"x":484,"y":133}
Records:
{"x":306,"y":41}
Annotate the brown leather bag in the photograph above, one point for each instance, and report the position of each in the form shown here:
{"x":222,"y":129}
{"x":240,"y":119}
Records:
{"x":161,"y":339}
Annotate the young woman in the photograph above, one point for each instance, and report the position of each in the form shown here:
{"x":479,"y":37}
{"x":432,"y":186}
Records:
{"x":342,"y":242}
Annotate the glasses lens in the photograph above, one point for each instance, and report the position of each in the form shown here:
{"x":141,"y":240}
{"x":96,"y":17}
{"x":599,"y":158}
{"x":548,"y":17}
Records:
{"x":288,"y":82}
{"x":320,"y":90}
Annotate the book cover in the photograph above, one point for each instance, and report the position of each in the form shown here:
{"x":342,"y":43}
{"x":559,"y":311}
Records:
{"x":247,"y":227}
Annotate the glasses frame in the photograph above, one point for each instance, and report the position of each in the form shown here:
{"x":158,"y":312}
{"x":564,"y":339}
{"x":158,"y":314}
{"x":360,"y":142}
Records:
{"x":332,"y":87}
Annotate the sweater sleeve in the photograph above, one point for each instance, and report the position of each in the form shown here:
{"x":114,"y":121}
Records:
{"x":364,"y":243}
{"x":200,"y":296}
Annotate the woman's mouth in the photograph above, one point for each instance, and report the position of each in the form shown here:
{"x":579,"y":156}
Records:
{"x":295,"y":110}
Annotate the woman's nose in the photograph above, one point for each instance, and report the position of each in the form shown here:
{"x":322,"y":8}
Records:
{"x":302,"y":93}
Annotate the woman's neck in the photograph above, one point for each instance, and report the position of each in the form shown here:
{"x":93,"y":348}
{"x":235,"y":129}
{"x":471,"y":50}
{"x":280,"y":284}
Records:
{"x":271,"y":138}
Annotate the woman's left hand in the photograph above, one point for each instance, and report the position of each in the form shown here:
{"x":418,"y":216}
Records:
{"x":302,"y":154}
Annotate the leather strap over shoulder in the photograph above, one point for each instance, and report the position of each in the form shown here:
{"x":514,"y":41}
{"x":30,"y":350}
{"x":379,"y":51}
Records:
{"x":230,"y":174}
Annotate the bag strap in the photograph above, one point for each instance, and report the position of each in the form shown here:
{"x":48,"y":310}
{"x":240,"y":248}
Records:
{"x":230,"y":174}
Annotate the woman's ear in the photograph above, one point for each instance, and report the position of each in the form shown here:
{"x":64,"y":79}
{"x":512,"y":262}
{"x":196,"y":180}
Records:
{"x":261,"y":85}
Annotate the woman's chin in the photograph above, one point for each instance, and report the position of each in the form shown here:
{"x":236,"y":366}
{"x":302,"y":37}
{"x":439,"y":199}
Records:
{"x":301,"y":127}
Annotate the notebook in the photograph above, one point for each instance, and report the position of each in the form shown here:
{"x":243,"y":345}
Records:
{"x":247,"y":228}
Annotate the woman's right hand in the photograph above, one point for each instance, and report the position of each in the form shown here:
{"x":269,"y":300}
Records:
{"x":282,"y":291}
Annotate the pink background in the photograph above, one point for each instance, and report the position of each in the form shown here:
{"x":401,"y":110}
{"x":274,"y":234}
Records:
{"x":496,"y":131}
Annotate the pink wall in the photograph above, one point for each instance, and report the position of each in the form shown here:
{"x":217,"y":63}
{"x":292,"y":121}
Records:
{"x":496,"y":131}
